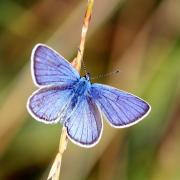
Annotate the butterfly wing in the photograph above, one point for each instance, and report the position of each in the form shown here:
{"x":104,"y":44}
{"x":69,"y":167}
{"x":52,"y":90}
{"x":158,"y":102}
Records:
{"x":84,"y":125}
{"x":122,"y":109}
{"x":48,"y":67}
{"x":47,"y":104}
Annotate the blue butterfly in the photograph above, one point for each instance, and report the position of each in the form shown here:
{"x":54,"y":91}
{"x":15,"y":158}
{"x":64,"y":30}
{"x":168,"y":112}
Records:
{"x":66,"y":97}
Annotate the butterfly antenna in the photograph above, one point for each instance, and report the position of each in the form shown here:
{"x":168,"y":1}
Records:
{"x":106,"y":75}
{"x":84,"y":67}
{"x":83,"y":63}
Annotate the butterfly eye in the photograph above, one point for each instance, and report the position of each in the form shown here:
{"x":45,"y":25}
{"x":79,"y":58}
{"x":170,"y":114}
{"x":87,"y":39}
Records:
{"x":87,"y":76}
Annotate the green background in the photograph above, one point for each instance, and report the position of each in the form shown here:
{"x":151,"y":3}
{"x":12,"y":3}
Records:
{"x":141,"y":39}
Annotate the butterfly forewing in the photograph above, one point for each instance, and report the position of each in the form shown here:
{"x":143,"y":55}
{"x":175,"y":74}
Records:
{"x":49,"y":68}
{"x":122,"y":109}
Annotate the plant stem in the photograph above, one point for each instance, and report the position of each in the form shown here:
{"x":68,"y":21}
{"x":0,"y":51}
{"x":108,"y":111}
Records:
{"x":56,"y":167}
{"x":78,"y":60}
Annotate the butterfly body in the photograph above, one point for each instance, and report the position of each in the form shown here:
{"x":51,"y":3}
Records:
{"x":79,"y":91}
{"x":77,"y":103}
{"x":82,"y":87}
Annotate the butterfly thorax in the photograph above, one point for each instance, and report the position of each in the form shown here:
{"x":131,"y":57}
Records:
{"x":82,"y":86}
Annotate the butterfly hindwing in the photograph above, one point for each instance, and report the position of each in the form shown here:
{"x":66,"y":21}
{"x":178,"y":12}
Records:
{"x":84,"y":125}
{"x":121,"y":109}
{"x":49,"y":68}
{"x":47,"y":103}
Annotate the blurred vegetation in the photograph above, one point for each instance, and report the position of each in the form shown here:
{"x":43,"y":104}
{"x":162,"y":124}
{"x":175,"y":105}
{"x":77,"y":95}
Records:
{"x":140,"y":38}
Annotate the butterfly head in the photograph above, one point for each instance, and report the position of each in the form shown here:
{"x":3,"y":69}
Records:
{"x":87,"y":77}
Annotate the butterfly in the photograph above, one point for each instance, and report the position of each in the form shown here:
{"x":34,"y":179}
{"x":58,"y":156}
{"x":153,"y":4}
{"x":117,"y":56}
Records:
{"x":66,"y":97}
